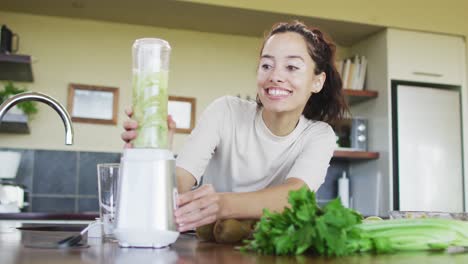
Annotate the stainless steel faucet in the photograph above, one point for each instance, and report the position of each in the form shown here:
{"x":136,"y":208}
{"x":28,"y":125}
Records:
{"x":33,"y":96}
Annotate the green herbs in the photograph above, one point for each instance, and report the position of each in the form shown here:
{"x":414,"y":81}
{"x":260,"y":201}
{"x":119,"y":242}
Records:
{"x":307,"y":227}
{"x":29,"y":107}
{"x":337,"y":231}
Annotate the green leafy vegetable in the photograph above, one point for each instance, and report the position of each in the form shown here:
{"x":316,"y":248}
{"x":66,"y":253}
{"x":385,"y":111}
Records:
{"x":306,"y":227}
{"x":338,"y":231}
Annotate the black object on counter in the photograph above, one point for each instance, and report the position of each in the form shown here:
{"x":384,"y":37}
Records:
{"x":48,"y":216}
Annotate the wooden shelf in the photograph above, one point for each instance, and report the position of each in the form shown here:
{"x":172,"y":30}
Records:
{"x":358,"y":96}
{"x":355,"y":155}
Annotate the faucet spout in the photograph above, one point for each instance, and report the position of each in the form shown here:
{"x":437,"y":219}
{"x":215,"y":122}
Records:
{"x":33,"y":96}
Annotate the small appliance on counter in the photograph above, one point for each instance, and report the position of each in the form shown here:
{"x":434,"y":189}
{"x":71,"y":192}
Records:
{"x":146,"y":196}
{"x":12,"y":195}
{"x":352,"y":133}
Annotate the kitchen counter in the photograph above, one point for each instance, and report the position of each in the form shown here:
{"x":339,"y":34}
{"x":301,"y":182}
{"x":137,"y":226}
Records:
{"x":187,"y":249}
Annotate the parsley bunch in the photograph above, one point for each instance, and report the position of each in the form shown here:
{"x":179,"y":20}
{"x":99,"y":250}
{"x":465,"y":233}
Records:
{"x":329,"y":231}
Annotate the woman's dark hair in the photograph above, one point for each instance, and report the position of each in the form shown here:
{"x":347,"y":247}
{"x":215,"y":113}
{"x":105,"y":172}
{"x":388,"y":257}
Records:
{"x":328,"y":105}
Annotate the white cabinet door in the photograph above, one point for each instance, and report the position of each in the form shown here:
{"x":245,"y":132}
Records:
{"x":430,"y":169}
{"x":425,"y":57}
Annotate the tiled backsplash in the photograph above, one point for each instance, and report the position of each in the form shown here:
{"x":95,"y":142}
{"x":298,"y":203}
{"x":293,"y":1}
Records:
{"x":66,"y":181}
{"x":61,"y":181}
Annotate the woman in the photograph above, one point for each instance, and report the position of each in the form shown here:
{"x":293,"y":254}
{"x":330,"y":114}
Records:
{"x":252,"y":154}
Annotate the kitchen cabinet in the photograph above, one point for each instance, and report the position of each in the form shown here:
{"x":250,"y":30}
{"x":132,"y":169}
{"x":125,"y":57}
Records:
{"x":401,"y":55}
{"x":427,"y":161}
{"x":425,"y":57}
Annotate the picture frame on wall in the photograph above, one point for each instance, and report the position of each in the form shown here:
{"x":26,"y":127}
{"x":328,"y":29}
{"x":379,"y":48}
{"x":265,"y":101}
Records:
{"x":93,"y":104}
{"x":182,"y":109}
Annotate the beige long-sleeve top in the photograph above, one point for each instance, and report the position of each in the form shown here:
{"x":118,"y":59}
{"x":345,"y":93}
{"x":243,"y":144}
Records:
{"x":233,"y":149}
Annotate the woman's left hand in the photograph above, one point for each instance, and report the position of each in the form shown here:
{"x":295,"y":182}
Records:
{"x":197,"y":208}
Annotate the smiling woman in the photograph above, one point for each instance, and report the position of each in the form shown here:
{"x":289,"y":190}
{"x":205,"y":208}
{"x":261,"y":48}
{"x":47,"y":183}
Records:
{"x":249,"y":155}
{"x":308,"y":59}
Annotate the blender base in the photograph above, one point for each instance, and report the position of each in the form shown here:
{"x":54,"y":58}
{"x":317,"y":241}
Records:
{"x":146,"y":199}
{"x":145,"y":238}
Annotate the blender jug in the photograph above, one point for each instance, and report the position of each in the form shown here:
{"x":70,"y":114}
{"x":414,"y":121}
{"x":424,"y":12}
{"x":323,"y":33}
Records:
{"x":146,"y":196}
{"x":150,"y":78}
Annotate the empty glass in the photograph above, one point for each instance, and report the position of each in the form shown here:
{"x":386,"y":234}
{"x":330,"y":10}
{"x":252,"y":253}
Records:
{"x":108,"y":174}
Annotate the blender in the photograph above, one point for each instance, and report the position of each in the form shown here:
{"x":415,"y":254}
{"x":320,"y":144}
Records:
{"x":146,"y":196}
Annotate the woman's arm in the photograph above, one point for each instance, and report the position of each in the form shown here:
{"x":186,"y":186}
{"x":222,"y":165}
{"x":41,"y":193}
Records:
{"x":251,"y":204}
{"x":203,"y":205}
{"x":185,"y":180}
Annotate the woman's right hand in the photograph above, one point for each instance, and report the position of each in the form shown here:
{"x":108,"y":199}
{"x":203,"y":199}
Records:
{"x":131,"y":125}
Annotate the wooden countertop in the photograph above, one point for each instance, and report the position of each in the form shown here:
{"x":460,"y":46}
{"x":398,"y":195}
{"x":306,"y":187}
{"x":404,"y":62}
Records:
{"x":187,"y":249}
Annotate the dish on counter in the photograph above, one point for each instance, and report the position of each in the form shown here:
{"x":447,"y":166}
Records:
{"x":427,"y":214}
{"x":418,"y":214}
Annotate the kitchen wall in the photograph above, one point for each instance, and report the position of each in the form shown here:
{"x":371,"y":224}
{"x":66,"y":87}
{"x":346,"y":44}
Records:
{"x":203,"y":65}
{"x":65,"y":50}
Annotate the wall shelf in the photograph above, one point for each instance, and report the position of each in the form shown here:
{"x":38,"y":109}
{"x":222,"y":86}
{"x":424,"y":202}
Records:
{"x":355,"y":155}
{"x":14,"y":123}
{"x":14,"y":67}
{"x":358,"y":96}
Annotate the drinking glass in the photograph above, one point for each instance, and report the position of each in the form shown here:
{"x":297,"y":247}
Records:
{"x":108,"y":174}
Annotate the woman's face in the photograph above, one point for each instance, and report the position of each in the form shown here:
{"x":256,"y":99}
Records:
{"x":285,"y":76}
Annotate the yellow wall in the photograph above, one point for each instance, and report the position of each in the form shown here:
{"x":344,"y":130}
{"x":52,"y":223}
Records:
{"x":203,"y":65}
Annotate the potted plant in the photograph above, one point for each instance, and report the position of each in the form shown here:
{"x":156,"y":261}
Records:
{"x":29,"y":108}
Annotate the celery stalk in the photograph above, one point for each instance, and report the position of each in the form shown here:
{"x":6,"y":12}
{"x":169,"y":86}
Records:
{"x":415,"y":234}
